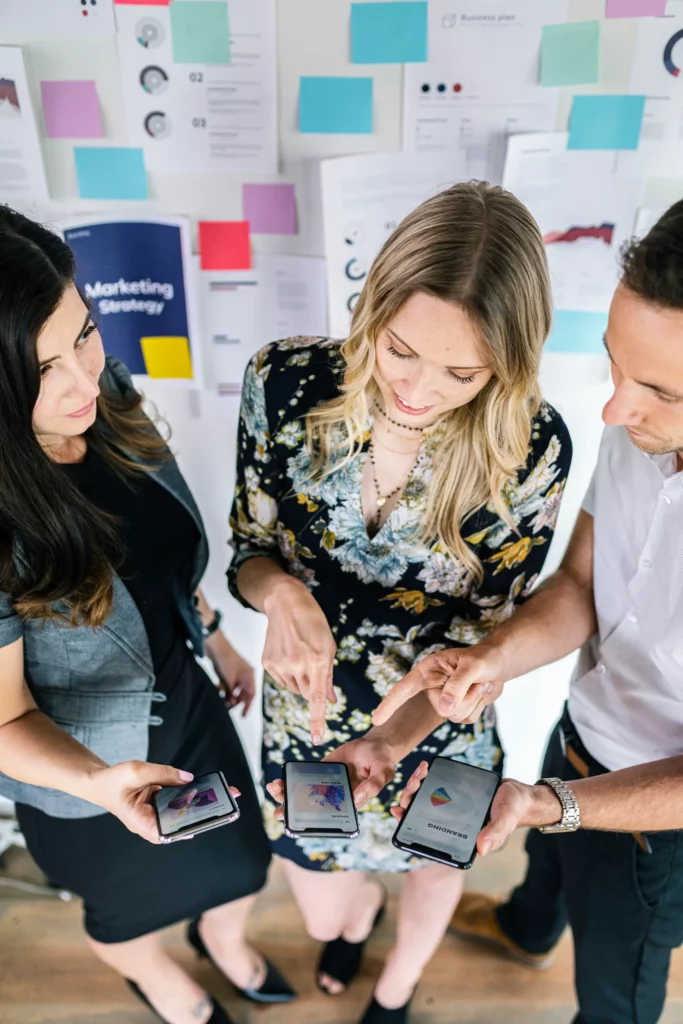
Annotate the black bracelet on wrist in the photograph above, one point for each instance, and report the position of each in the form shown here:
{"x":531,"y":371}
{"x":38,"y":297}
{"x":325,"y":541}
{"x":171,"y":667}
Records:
{"x":213,"y":625}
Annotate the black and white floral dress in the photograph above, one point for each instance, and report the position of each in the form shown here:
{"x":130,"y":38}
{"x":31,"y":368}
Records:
{"x":389,"y":600}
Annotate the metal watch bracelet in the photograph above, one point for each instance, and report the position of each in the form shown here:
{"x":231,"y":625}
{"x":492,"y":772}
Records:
{"x":571,"y":817}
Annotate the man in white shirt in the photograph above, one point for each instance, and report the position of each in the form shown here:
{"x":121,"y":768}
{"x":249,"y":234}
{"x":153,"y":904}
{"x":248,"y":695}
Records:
{"x":618,"y":595}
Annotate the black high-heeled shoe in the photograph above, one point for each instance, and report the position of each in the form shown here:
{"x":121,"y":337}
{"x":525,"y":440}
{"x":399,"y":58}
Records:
{"x":378,"y":1014}
{"x":341,"y":960}
{"x":219,"y":1016}
{"x":273,"y":990}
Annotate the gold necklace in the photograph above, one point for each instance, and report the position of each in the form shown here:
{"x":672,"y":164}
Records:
{"x":395,"y":451}
{"x":382,"y":499}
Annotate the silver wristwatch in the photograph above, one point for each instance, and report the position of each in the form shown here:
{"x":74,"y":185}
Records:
{"x":571,"y":818}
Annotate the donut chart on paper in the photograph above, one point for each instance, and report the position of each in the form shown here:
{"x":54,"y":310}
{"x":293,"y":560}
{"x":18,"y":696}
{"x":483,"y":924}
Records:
{"x":669,"y":64}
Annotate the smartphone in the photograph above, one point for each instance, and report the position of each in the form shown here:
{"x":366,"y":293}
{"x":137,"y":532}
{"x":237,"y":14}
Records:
{"x":318,"y":800}
{"x":202,"y":804}
{"x":447,"y":813}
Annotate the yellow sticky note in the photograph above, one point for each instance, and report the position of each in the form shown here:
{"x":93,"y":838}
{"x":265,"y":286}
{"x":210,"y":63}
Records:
{"x":167,"y":357}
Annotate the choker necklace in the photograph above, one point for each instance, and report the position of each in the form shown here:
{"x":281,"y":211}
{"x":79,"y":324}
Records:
{"x":403,"y":426}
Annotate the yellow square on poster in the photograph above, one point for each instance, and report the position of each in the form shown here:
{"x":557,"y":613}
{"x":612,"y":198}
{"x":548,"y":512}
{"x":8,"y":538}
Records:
{"x":167,"y":357}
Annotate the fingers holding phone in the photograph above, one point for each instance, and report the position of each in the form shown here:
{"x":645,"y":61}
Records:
{"x":443,"y":810}
{"x":183,"y":812}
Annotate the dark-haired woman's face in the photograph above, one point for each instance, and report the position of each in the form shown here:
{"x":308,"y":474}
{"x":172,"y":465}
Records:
{"x":71,"y":360}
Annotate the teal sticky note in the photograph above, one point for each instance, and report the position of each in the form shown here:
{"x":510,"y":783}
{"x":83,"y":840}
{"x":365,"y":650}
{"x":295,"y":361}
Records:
{"x":605,"y":122}
{"x":339,"y":105}
{"x":110,"y":172}
{"x":576,"y":331}
{"x":570,"y":54}
{"x":389,"y":33}
{"x":200,"y":32}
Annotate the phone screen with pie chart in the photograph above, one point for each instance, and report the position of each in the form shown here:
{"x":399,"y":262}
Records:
{"x":448,"y":812}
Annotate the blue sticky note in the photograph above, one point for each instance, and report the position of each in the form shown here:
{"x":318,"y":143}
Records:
{"x":200,"y":32}
{"x":605,"y":122}
{"x":570,"y":53}
{"x":575,"y":331}
{"x":335,"y":105}
{"x":389,"y":33}
{"x":110,"y":172}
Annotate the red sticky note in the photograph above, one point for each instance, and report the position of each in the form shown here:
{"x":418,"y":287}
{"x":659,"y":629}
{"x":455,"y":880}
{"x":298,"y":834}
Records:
{"x":224,"y":245}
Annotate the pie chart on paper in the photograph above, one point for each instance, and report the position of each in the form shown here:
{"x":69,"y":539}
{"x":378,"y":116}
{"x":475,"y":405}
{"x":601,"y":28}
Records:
{"x":669,"y":62}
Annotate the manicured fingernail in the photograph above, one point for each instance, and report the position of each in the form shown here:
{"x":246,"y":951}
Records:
{"x":447,"y":703}
{"x":185,"y":776}
{"x":317,"y":738}
{"x":360,"y":797}
{"x":486,"y":846}
{"x":488,"y":688}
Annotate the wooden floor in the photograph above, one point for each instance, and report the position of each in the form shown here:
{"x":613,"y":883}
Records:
{"x":49,"y":976}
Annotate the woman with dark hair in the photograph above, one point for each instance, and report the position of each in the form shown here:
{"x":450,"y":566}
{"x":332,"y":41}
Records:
{"x":102,"y":549}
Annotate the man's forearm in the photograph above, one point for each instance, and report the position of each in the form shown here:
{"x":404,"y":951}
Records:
{"x":645,"y":798}
{"x":406,"y":729}
{"x":556,"y":620}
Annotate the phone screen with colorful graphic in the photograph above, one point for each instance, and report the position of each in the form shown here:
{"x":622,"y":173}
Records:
{"x":448,"y":812}
{"x":203,"y":803}
{"x":318,"y":799}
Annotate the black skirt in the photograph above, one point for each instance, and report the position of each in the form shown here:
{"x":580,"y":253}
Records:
{"x":130,"y":887}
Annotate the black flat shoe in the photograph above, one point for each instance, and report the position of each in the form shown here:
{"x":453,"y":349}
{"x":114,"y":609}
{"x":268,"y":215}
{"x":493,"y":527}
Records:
{"x":219,"y":1016}
{"x":341,"y":960}
{"x":273,"y":990}
{"x":378,"y":1014}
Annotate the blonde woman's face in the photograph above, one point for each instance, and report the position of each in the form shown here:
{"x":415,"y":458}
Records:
{"x":430,"y":359}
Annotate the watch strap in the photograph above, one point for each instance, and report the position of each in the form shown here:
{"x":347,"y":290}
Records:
{"x":571,"y":816}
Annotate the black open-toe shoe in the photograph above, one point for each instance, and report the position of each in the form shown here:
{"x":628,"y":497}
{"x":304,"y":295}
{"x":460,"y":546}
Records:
{"x":273,"y":990}
{"x":219,"y":1016}
{"x":378,"y":1014}
{"x":341,"y":960}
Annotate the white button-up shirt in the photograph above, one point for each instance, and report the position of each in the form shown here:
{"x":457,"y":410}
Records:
{"x":626,"y":697}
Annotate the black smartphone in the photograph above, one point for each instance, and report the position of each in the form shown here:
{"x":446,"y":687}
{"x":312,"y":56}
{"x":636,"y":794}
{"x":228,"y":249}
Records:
{"x":447,"y":813}
{"x":200,"y":805}
{"x":318,"y":800}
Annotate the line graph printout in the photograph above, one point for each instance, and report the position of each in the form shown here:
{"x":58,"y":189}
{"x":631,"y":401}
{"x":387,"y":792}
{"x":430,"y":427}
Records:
{"x":481,"y":82}
{"x":584,"y":210}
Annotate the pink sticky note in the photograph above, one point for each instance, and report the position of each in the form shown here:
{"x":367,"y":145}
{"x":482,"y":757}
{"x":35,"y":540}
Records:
{"x":635,"y":8}
{"x":72,"y":110}
{"x":224,"y":245}
{"x":270,"y":209}
{"x":144,"y":3}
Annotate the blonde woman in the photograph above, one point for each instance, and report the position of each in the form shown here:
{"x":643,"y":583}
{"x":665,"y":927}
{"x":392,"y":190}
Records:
{"x":397,"y":495}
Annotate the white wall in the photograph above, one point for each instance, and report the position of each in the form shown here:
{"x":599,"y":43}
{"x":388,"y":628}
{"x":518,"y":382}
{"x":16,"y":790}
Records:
{"x":313,"y":39}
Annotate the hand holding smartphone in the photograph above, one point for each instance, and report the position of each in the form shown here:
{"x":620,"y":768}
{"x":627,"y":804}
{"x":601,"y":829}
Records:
{"x":318,"y":800}
{"x":202,"y":804}
{"x":447,"y":813}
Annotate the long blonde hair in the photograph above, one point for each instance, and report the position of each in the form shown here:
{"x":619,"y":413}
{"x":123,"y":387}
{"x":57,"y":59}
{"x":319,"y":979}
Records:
{"x":475,"y":245}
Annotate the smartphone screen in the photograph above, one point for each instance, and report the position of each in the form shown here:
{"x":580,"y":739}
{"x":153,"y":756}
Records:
{"x":448,"y":812}
{"x":318,"y":799}
{"x":203,"y":802}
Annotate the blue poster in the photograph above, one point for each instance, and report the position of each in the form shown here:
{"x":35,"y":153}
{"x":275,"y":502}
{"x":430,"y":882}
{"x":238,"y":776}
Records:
{"x":132,"y":274}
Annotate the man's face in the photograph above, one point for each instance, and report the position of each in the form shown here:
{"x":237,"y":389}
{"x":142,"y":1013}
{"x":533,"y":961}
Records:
{"x":645,"y":346}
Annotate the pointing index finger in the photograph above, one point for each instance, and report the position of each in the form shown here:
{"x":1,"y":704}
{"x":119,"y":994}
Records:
{"x":405,"y":689}
{"x":317,"y":703}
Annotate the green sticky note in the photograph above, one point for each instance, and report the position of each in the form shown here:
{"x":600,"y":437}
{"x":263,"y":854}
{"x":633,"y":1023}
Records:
{"x":200,"y":32}
{"x":570,"y":54}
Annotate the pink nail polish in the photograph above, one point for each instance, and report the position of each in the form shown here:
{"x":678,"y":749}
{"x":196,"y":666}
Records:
{"x":185,"y":776}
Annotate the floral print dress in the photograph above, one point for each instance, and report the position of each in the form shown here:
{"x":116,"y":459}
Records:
{"x":389,"y":600}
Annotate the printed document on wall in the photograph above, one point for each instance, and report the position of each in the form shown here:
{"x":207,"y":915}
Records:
{"x":584,"y":210}
{"x":481,"y":82}
{"x":22,"y":175}
{"x":364,"y":199}
{"x":201,"y":117}
{"x":280,"y":297}
{"x":138,"y":275}
{"x":656,"y":74}
{"x":23,"y":19}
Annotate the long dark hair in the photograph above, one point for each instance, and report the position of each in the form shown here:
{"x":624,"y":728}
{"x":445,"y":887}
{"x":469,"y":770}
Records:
{"x":53,"y":543}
